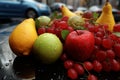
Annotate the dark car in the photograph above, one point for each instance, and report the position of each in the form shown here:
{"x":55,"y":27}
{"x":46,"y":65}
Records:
{"x":56,"y":6}
{"x":98,"y":9}
{"x":23,"y":8}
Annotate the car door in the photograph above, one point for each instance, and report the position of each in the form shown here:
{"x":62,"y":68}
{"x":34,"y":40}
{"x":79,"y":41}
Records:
{"x":10,"y":8}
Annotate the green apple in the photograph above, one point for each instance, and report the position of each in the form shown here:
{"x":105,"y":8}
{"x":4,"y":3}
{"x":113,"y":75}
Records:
{"x":42,"y":21}
{"x":47,"y":48}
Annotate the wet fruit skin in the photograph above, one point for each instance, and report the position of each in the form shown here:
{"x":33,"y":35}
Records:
{"x":79,"y":44}
{"x":47,"y":48}
{"x":72,"y":74}
{"x":22,"y":37}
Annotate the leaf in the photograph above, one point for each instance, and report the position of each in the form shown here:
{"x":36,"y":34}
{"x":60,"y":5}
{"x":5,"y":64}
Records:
{"x":64,"y":33}
{"x":56,"y":15}
{"x":37,"y":23}
{"x":95,"y":15}
{"x":117,"y":34}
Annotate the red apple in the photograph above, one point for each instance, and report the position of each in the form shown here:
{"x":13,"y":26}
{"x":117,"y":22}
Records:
{"x":79,"y":45}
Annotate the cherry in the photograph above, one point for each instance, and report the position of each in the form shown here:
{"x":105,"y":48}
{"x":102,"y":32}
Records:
{"x":92,"y":77}
{"x":106,"y":65}
{"x":68,"y":64}
{"x":79,"y":69}
{"x":115,"y":65}
{"x":99,"y":34}
{"x":98,"y":41}
{"x":41,"y":30}
{"x":88,"y":65}
{"x":101,"y":55}
{"x":117,"y":49}
{"x":97,"y":66}
{"x":50,"y":30}
{"x":91,"y":28}
{"x":63,"y":25}
{"x":110,"y":54}
{"x":70,"y":29}
{"x":65,"y":18}
{"x":63,"y":57}
{"x":72,"y":73}
{"x":107,"y":43}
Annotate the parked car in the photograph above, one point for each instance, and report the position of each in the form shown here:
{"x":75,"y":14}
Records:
{"x":56,"y":6}
{"x":98,"y":9}
{"x":23,"y":9}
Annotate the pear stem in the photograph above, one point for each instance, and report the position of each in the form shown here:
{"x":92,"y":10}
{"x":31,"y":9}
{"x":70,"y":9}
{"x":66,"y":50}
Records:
{"x":107,"y":0}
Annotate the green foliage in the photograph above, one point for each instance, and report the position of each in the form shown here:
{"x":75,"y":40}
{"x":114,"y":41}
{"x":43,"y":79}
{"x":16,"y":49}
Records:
{"x":64,"y":33}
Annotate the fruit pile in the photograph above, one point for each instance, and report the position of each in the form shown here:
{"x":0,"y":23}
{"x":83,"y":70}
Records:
{"x":84,"y":43}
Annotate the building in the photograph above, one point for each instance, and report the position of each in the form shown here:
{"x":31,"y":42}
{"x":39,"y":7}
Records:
{"x":77,"y":3}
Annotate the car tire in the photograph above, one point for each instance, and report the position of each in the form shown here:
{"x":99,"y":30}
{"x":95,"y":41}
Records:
{"x":31,"y":13}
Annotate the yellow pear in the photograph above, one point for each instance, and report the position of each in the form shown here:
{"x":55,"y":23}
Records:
{"x":107,"y":17}
{"x":67,"y":12}
{"x":22,"y":37}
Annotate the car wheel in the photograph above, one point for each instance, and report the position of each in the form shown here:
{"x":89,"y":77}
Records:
{"x":31,"y":13}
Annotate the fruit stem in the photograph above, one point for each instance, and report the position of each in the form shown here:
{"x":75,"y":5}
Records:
{"x":107,"y":0}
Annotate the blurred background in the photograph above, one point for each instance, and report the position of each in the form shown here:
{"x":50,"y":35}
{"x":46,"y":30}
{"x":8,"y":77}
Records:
{"x":12,"y":12}
{"x":34,"y":8}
